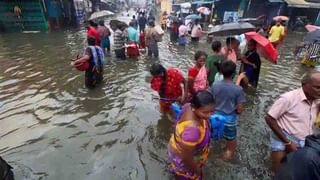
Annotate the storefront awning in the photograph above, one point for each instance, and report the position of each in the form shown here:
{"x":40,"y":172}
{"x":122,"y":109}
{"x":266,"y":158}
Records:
{"x":302,"y":4}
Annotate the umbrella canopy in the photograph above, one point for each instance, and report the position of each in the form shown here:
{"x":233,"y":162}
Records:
{"x":281,"y":18}
{"x":115,"y":23}
{"x":173,"y":18}
{"x":101,"y":14}
{"x":254,"y":21}
{"x":204,"y":10}
{"x":311,"y":28}
{"x":313,"y":37}
{"x":264,"y":47}
{"x":185,"y":5}
{"x":232,"y":29}
{"x":193,"y":17}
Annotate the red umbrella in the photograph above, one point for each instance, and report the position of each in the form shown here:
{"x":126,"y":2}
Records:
{"x":264,"y":47}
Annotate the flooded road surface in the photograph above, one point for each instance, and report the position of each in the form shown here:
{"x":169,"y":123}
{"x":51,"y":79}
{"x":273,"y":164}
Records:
{"x":52,"y":127}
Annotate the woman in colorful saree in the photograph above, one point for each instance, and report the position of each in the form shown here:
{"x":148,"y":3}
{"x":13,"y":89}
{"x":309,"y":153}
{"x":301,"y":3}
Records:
{"x":188,"y":147}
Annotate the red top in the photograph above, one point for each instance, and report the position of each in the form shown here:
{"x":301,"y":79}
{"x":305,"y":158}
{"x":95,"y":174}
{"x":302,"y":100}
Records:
{"x":193,"y":72}
{"x":142,"y":41}
{"x":93,"y":32}
{"x":173,"y":88}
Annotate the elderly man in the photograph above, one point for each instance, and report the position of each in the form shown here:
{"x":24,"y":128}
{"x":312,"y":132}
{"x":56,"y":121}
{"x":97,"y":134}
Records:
{"x":292,"y":117}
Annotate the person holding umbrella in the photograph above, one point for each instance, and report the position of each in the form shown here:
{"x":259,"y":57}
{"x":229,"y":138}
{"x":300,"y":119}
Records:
{"x":251,"y":63}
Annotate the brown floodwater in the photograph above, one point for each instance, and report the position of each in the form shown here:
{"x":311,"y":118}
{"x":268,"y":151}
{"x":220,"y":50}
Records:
{"x":52,"y":127}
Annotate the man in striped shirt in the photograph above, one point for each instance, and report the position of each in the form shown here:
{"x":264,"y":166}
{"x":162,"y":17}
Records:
{"x":118,"y":43}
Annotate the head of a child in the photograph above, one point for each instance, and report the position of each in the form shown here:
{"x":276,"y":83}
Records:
{"x":252,"y":45}
{"x":200,"y":58}
{"x":232,"y":42}
{"x":228,"y":69}
{"x":216,"y":46}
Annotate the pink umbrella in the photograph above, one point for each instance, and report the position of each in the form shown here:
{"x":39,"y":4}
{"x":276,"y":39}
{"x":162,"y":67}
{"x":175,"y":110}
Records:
{"x":281,"y":18}
{"x":311,"y":28}
{"x":204,"y":10}
{"x":264,"y":47}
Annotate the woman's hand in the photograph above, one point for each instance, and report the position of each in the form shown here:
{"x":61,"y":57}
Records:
{"x":254,"y":66}
{"x":242,"y":75}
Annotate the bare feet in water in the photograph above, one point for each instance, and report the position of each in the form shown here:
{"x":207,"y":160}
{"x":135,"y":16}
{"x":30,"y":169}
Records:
{"x":227,"y":156}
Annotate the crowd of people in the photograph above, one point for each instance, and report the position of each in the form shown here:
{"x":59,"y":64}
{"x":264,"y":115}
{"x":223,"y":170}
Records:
{"x":213,"y":87}
{"x":210,"y":90}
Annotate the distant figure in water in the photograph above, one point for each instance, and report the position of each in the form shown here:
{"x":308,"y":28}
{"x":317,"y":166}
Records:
{"x":152,"y":39}
{"x":95,"y":57}
{"x":104,"y":34}
{"x":17,"y":11}
{"x":276,"y":34}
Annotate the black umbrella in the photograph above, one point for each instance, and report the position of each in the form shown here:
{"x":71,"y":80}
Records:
{"x":313,"y":37}
{"x":229,"y":29}
{"x":115,"y":23}
{"x":254,"y":21}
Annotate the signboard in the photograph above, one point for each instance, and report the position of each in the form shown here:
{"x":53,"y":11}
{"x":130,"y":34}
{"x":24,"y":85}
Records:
{"x":230,"y":16}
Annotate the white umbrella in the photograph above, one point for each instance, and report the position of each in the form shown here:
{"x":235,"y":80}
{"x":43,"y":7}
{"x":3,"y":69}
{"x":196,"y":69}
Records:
{"x":204,"y":10}
{"x":101,"y":14}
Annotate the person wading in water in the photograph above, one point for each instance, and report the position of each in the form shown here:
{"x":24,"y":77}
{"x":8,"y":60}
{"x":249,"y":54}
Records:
{"x":94,"y":56}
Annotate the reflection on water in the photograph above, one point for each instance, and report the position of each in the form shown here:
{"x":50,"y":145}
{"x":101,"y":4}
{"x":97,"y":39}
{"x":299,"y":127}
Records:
{"x":52,"y":127}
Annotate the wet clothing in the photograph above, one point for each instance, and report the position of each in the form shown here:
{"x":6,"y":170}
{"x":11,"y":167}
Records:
{"x":92,"y":32}
{"x":302,"y":164}
{"x":252,"y":73}
{"x":227,"y":96}
{"x":152,"y":39}
{"x":174,"y":32}
{"x":104,"y":34}
{"x":94,"y":74}
{"x":142,"y":23}
{"x":196,"y":32}
{"x":142,"y":41}
{"x":135,"y":23}
{"x":278,"y":145}
{"x":193,"y":72}
{"x":118,"y":44}
{"x":230,"y":54}
{"x":173,"y":89}
{"x":275,"y":34}
{"x":183,"y":31}
{"x":133,"y":35}
{"x":212,"y":68}
{"x":118,"y":39}
{"x":6,"y":172}
{"x":186,"y":133}
{"x":294,"y":113}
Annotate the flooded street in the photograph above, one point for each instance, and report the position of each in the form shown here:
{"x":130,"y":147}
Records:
{"x":52,"y":127}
